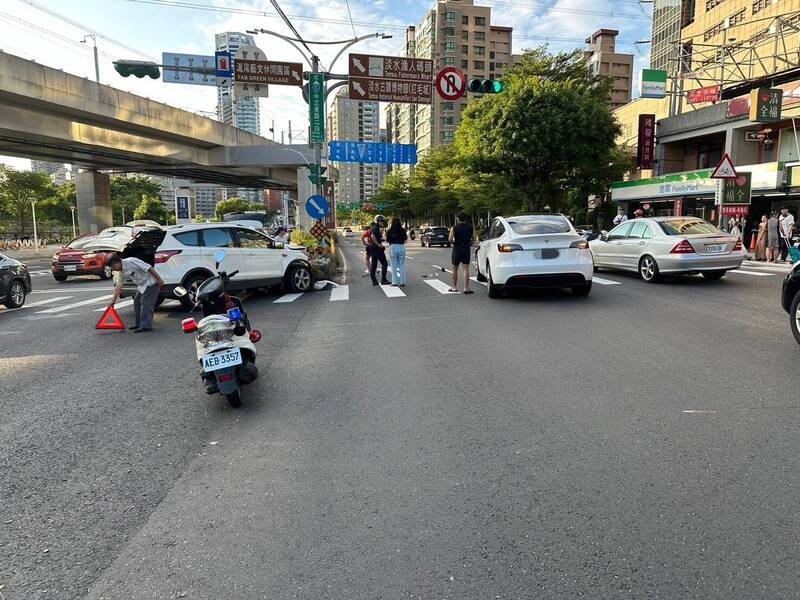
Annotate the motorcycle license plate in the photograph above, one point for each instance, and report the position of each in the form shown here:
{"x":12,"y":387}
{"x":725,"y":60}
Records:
{"x":222,"y":360}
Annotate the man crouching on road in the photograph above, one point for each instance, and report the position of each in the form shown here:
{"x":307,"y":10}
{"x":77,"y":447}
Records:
{"x":149,"y":282}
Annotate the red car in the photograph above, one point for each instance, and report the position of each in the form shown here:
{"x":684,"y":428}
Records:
{"x":78,"y":257}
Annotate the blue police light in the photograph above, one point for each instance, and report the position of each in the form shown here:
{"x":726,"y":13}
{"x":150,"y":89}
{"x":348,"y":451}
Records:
{"x":234,"y":314}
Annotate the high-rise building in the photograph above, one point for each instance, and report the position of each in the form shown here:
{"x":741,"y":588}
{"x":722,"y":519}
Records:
{"x":206,"y":195}
{"x":401,"y":123}
{"x":247,"y":115}
{"x":453,"y":33}
{"x":666,"y":31}
{"x":355,"y":121}
{"x":603,"y":59}
{"x":58,"y":172}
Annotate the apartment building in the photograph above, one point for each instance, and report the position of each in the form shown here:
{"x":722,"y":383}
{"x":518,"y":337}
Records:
{"x":401,"y":118}
{"x":453,"y":33}
{"x":354,"y":121}
{"x":603,"y":59}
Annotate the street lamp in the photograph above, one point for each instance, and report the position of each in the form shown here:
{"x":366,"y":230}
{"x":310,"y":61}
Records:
{"x":35,"y":233}
{"x":96,"y":62}
{"x":74,"y":231}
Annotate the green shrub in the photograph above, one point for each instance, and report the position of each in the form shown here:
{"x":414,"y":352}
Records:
{"x":303,"y":238}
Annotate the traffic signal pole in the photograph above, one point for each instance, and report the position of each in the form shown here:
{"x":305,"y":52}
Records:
{"x":318,"y":147}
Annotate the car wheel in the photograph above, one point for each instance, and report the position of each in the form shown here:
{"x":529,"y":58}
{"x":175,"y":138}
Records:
{"x":191,"y":284}
{"x":494,"y":291}
{"x":59,"y":277}
{"x":713,"y":275}
{"x":16,"y":295}
{"x":794,"y":317}
{"x":299,"y":279}
{"x":582,"y":290}
{"x":107,"y":272}
{"x":648,"y":269}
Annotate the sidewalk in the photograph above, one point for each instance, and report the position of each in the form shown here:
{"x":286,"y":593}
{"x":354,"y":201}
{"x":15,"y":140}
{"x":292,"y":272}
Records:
{"x":30,"y":254}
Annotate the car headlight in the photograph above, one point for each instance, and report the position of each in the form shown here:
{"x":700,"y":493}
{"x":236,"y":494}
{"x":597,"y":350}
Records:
{"x":89,"y":255}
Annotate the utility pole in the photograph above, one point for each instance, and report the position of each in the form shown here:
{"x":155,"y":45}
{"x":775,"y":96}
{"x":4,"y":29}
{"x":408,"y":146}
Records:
{"x":96,"y":61}
{"x":74,"y":231}
{"x":35,"y":232}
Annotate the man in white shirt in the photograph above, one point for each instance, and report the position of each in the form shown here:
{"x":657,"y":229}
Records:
{"x":621,"y":216}
{"x":148,"y":283}
{"x":787,"y":229}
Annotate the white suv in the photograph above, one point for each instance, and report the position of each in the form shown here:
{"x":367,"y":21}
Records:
{"x":184,"y":256}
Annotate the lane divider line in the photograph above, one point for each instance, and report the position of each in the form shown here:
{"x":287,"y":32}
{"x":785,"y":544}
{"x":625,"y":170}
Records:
{"x":392,"y":291}
{"x":287,"y":298}
{"x":756,"y":273}
{"x":58,"y":309}
{"x":602,"y":281}
{"x":122,"y":304}
{"x":340,"y":293}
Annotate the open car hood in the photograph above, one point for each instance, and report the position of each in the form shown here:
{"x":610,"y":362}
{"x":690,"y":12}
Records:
{"x":141,"y":241}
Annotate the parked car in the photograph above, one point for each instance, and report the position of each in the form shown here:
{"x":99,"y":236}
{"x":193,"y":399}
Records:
{"x":348,"y":232}
{"x":790,"y":300}
{"x":534,"y":251}
{"x":75,"y":259}
{"x":435,"y":236}
{"x":15,"y":282}
{"x":184,"y":256}
{"x":658,"y":246}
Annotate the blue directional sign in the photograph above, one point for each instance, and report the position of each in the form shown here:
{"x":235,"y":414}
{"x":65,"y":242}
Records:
{"x":224,"y":63}
{"x":368,"y":152}
{"x":317,"y":207}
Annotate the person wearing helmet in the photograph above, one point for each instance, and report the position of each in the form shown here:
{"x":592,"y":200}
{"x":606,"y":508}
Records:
{"x":378,"y":251}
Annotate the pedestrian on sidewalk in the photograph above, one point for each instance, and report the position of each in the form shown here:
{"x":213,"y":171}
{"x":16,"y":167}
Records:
{"x":366,"y":240}
{"x":773,"y":237}
{"x":149,"y":283}
{"x":396,"y":236}
{"x":378,"y":251}
{"x":462,"y":237}
{"x":787,"y":230}
{"x":621,"y":216}
{"x":761,"y":240}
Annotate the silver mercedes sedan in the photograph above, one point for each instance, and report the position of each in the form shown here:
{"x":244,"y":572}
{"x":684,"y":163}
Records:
{"x":668,"y":245}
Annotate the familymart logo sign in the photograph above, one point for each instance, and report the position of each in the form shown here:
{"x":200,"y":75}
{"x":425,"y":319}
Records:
{"x":654,"y":83}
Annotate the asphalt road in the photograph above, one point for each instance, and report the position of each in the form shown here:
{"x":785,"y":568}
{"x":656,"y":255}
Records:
{"x":638,"y":443}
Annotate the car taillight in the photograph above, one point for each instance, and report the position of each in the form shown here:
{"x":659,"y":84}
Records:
{"x":189,"y":325}
{"x":508,"y":247}
{"x":683,"y":247}
{"x":580,"y":245}
{"x":738,"y":245}
{"x":164,"y":255}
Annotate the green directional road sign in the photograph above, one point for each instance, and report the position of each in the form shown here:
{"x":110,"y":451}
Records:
{"x":316,"y":107}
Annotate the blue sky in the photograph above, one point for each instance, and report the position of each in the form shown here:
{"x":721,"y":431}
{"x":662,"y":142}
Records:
{"x":142,"y":29}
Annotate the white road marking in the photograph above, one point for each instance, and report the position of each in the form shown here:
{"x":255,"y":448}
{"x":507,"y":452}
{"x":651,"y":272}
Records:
{"x":756,"y":273}
{"x":48,"y":301}
{"x":122,"y":304}
{"x":58,"y":309}
{"x":340,"y":293}
{"x":602,"y":281}
{"x":409,"y":257}
{"x":439,"y":286}
{"x":699,"y":412}
{"x":392,"y":291}
{"x":72,"y":290}
{"x":287,"y":298}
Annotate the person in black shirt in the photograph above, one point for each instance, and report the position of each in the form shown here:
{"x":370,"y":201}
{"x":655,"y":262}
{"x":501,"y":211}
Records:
{"x":462,"y":236}
{"x":378,"y":253}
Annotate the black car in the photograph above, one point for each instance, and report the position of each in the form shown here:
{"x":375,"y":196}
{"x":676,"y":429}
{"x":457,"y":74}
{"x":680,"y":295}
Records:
{"x":435,"y":236}
{"x":15,"y":282}
{"x":790,"y":300}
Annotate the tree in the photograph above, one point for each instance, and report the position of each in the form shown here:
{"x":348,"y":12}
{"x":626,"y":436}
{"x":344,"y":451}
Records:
{"x":394,"y":194}
{"x":18,"y":188}
{"x":57,"y":207}
{"x":549,"y":130}
{"x":235,"y":205}
{"x":151,"y":208}
{"x":127,"y":192}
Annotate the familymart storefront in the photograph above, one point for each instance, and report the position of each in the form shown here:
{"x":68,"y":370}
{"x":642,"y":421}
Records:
{"x":693,"y":193}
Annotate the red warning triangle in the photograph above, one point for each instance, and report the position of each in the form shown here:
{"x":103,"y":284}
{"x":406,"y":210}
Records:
{"x":725,"y":169}
{"x":110,"y":320}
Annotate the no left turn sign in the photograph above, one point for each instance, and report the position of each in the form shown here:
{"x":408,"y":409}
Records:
{"x":451,"y":83}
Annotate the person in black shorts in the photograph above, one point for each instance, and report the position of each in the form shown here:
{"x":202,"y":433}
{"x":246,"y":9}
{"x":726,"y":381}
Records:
{"x":462,"y":236}
{"x":378,"y":251}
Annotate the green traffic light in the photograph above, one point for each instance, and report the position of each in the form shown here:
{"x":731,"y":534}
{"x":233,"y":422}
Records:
{"x":137,"y":68}
{"x":485,"y":86}
{"x":498,"y":86}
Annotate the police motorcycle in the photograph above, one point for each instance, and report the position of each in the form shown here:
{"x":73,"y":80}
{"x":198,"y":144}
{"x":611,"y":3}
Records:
{"x":224,"y":340}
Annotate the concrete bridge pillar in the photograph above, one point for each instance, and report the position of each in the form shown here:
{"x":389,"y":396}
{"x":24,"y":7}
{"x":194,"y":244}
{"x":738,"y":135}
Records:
{"x":94,"y":201}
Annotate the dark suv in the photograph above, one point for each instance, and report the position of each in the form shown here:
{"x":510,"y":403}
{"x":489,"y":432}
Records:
{"x":15,"y":282}
{"x":435,"y":236}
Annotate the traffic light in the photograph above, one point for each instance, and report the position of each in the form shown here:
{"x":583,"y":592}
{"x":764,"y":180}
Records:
{"x":139,"y":68}
{"x":486,"y":86}
{"x":317,"y":174}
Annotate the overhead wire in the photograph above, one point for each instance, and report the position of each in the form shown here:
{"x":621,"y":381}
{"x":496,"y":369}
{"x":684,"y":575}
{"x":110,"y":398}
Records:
{"x":290,"y":25}
{"x":51,"y":33}
{"x":349,"y":14}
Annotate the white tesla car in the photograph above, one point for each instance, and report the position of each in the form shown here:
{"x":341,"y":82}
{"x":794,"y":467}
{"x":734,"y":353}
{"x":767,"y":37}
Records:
{"x":534,"y":251}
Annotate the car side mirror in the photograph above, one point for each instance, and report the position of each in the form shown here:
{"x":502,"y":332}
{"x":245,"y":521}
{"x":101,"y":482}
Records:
{"x":604,"y":236}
